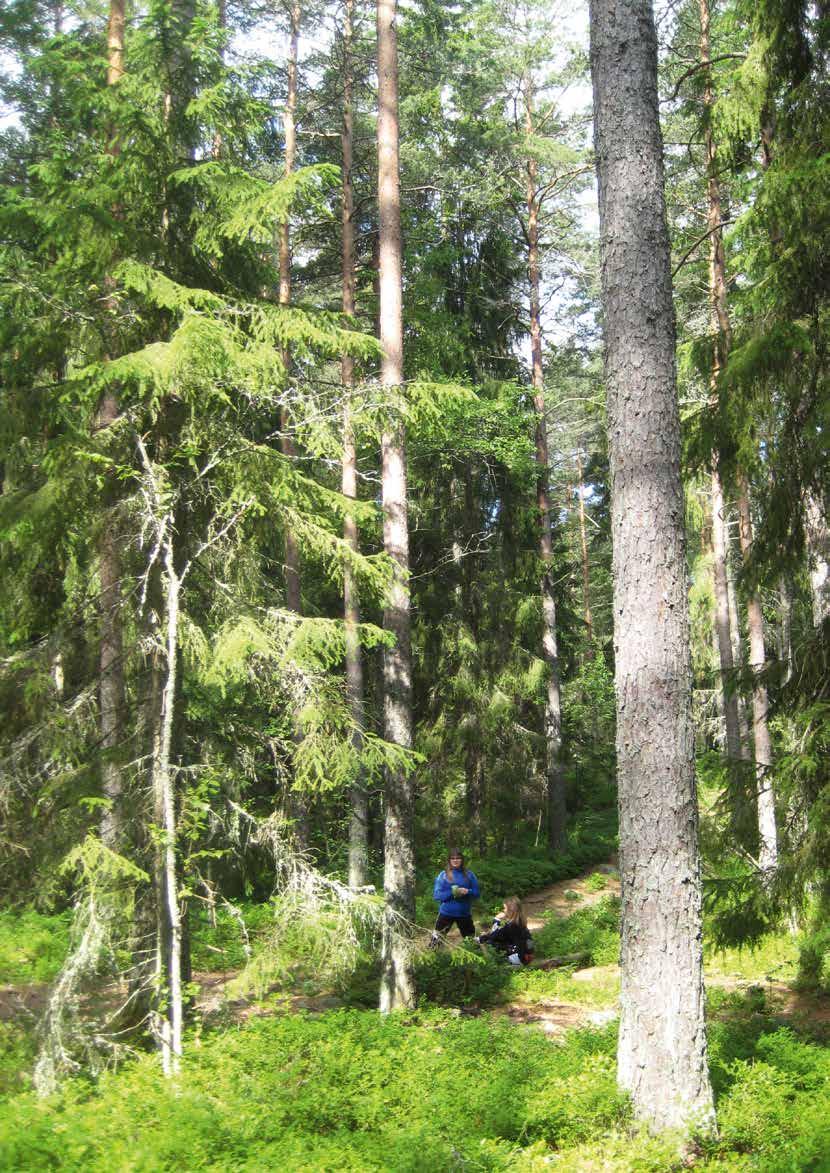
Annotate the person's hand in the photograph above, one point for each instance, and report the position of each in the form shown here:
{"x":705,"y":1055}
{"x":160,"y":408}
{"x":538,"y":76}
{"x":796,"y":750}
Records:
{"x":463,"y":891}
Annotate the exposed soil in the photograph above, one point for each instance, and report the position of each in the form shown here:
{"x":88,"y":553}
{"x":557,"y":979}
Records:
{"x":566,"y":896}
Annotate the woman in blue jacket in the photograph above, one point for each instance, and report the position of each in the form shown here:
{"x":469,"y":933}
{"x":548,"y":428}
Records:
{"x":456,"y":887}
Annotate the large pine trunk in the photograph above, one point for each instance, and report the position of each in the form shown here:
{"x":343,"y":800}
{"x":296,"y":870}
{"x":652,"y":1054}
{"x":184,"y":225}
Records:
{"x":662,"y":1054}
{"x":397,"y":979}
{"x":358,"y":797}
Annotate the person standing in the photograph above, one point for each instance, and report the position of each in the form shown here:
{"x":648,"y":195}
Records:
{"x":455,"y":889}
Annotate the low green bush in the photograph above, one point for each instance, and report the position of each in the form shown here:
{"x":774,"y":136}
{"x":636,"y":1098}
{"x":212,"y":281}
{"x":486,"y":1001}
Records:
{"x":461,"y":976}
{"x":594,"y":930}
{"x":33,"y":945}
{"x":425,"y":1092}
{"x":17,"y":1056}
{"x":222,"y":945}
{"x":346,"y":1090}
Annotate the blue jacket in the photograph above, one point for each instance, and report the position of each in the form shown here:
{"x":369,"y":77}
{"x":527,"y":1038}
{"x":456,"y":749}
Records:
{"x":442,"y":892}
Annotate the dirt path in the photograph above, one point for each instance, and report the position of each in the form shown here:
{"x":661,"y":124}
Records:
{"x":567,"y":896}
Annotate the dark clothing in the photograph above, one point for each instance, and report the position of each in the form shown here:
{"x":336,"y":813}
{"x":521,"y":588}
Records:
{"x":512,"y":939}
{"x":448,"y":904}
{"x":465,"y":924}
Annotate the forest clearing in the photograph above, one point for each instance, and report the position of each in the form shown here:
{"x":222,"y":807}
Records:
{"x":414,"y":585}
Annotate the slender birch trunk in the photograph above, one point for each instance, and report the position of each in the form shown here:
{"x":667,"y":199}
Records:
{"x":767,"y":831}
{"x":586,"y":578}
{"x":818,"y":548}
{"x":662,"y":1055}
{"x":397,"y":978}
{"x":170,"y":921}
{"x":554,"y":772}
{"x":358,"y":796}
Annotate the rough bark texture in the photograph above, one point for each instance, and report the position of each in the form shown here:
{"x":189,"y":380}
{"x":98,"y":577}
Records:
{"x":554,"y":771}
{"x":662,"y":1044}
{"x":397,"y":979}
{"x":358,"y":797}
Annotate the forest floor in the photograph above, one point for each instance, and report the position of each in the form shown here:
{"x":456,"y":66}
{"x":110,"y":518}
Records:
{"x":583,"y":996}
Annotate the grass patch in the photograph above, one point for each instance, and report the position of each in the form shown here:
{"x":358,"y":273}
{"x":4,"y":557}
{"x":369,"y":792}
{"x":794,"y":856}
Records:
{"x":773,"y":958}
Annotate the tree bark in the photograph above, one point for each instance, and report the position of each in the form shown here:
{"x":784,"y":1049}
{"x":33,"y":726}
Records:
{"x":662,"y":1054}
{"x":586,"y":575}
{"x":734,"y":749}
{"x":170,"y":923}
{"x":358,"y":797}
{"x":111,"y":655}
{"x":762,"y":743}
{"x":721,"y":333}
{"x":397,"y":977}
{"x":818,"y":548}
{"x":554,"y":772}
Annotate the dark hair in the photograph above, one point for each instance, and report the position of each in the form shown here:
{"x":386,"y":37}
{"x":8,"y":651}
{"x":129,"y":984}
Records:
{"x":448,"y":868}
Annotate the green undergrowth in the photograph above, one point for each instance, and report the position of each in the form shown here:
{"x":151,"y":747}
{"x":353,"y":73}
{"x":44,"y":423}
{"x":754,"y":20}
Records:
{"x":229,"y":940}
{"x":428,"y":1091}
{"x":594,"y":930}
{"x":32,"y":945}
{"x":773,"y":958}
{"x":590,"y":841}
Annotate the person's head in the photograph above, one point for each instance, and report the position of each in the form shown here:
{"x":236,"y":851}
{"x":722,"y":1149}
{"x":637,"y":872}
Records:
{"x":455,"y":862}
{"x":513,"y":911}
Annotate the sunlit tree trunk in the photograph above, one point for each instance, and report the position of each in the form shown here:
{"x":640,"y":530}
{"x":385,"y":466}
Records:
{"x":554,"y":772}
{"x":762,"y":743}
{"x":397,"y":978}
{"x":358,"y":797}
{"x":818,"y":548}
{"x":662,"y":1055}
{"x":586,"y":573}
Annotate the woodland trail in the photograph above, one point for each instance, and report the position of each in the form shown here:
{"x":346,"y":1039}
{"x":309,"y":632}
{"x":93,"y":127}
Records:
{"x":219,"y":997}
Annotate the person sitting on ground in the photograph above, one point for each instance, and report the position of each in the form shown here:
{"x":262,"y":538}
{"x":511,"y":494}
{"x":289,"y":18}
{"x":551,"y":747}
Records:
{"x":509,"y":933}
{"x":456,"y":887}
